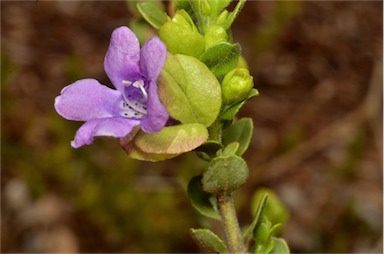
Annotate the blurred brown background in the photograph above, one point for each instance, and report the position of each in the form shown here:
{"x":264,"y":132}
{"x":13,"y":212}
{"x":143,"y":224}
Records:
{"x":317,"y":140}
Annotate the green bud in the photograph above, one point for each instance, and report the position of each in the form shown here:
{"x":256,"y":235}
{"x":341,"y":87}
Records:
{"x":182,"y":17}
{"x":222,"y":18}
{"x":205,"y":7}
{"x":218,"y":5}
{"x":225,"y":174}
{"x":221,"y":4}
{"x":214,"y":35}
{"x":181,"y":35}
{"x":236,"y":85}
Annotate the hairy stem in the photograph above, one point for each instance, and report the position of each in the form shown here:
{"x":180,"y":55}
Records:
{"x":231,"y":226}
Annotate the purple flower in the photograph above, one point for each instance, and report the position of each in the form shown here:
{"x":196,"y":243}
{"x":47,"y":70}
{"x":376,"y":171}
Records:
{"x":109,"y":112}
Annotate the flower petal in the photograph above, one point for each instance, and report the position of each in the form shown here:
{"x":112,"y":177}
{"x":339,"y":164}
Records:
{"x":122,"y":59}
{"x":114,"y":127}
{"x":87,"y":99}
{"x":157,"y":115}
{"x":152,"y":58}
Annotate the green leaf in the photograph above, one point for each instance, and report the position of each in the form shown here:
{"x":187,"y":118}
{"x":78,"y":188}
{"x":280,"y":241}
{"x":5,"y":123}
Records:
{"x":280,"y":246}
{"x":241,"y":132}
{"x":200,"y":199}
{"x":222,"y":57}
{"x":225,"y":174}
{"x":275,"y":210}
{"x":168,"y":143}
{"x":152,"y":13}
{"x":232,"y":111}
{"x":256,"y":219}
{"x":234,"y":14}
{"x":140,"y":28}
{"x":262,"y":237}
{"x":189,"y":91}
{"x":208,"y":150}
{"x":208,"y":241}
{"x":231,"y":149}
{"x":268,"y":247}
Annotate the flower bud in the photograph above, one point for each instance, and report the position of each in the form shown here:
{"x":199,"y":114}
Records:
{"x":222,"y":18}
{"x":205,"y":7}
{"x":181,"y":35}
{"x":214,"y":35}
{"x":218,"y":5}
{"x":225,"y":174}
{"x":236,"y":85}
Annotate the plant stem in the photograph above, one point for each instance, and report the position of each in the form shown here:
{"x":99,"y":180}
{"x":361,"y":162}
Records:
{"x":215,"y":131}
{"x":231,"y":225}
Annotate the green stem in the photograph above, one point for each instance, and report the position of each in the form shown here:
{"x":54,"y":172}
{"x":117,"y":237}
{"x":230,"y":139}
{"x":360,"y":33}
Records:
{"x":215,"y":131}
{"x":231,"y":226}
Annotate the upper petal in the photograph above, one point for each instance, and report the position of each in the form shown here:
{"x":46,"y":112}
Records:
{"x":152,"y":58}
{"x":122,"y":59}
{"x":114,"y":127}
{"x":87,"y":99}
{"x":157,"y":115}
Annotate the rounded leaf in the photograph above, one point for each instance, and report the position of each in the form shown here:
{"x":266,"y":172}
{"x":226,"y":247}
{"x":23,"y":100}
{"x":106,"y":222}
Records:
{"x":165,"y":144}
{"x":240,"y":131}
{"x":152,"y":13}
{"x":189,"y":91}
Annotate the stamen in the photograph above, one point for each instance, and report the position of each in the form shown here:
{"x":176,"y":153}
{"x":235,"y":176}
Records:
{"x":126,"y":83}
{"x":140,"y":84}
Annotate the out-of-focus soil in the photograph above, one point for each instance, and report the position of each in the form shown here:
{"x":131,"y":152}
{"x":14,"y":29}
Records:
{"x":318,"y":120}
